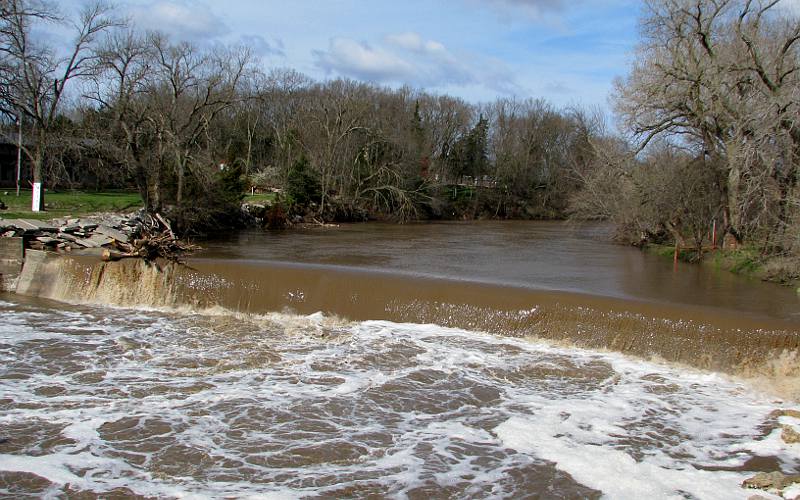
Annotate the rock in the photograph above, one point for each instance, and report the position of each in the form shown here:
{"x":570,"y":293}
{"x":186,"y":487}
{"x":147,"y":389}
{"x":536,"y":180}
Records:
{"x":767,"y":480}
{"x":785,"y":413}
{"x":112,"y":233}
{"x":93,"y":241}
{"x":789,"y":435}
{"x":48,"y":241}
{"x":35,"y":225}
{"x":100,"y":240}
{"x":67,"y":237}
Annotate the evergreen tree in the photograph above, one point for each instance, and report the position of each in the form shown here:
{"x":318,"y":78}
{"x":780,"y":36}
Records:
{"x":469,"y":155}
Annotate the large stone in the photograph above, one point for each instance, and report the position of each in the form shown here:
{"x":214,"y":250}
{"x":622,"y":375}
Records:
{"x":30,"y":225}
{"x":770,"y":480}
{"x":100,"y":240}
{"x":789,"y":435}
{"x":94,"y":241}
{"x":785,"y":413}
{"x":112,"y":233}
{"x":46,"y":240}
{"x":67,"y":237}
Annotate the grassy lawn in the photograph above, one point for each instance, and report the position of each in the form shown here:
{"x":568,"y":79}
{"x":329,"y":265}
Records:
{"x":74,"y":203}
{"x":77,"y":203}
{"x":259,"y":198}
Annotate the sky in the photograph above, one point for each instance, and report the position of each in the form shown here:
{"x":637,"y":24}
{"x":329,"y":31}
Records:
{"x":565,"y":51}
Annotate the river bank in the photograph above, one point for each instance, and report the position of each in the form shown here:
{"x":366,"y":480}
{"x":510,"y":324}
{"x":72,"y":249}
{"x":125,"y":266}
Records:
{"x":257,"y":212}
{"x":744,"y":261}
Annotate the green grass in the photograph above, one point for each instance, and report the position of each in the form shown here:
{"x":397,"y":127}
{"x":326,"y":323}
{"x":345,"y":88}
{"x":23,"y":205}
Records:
{"x":661,"y":250}
{"x":261,"y":199}
{"x":73,"y":203}
{"x":668,"y":251}
{"x":744,"y":260}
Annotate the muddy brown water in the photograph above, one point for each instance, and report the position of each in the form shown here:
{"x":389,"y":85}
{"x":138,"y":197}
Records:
{"x":542,"y":255}
{"x":482,"y":360}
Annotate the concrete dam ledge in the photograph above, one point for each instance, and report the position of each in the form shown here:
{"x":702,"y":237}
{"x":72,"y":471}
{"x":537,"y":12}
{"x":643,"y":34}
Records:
{"x":717,"y":340}
{"x":12,"y":258}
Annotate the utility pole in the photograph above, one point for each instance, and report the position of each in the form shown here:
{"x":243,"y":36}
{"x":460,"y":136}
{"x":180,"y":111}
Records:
{"x":19,"y":151}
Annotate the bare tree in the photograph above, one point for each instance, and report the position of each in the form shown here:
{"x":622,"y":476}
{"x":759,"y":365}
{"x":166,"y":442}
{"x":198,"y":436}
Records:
{"x":119,"y":89}
{"x":190,"y":88}
{"x":34,"y":77}
{"x":722,"y":77}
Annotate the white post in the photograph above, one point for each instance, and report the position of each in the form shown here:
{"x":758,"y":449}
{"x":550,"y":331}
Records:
{"x":19,"y":151}
{"x":36,"y":196}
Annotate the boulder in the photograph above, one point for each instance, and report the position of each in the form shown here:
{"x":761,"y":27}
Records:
{"x":769,"y":480}
{"x":789,"y":435}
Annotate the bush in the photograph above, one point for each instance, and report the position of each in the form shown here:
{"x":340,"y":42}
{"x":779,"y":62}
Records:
{"x":213,"y":207}
{"x":276,"y":216}
{"x":302,"y":184}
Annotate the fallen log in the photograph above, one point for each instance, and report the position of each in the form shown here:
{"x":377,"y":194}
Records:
{"x":112,"y":256}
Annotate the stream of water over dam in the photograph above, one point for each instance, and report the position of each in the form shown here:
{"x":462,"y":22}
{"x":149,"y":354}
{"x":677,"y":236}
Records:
{"x":479,"y":360}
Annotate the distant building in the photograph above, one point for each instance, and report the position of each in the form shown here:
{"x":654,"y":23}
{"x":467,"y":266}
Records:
{"x":8,"y":164}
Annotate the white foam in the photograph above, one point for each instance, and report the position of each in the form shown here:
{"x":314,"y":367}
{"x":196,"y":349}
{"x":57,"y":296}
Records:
{"x":399,"y":401}
{"x":615,"y":473}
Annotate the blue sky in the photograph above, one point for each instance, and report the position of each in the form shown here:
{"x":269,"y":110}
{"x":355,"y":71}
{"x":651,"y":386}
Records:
{"x":567,"y":52}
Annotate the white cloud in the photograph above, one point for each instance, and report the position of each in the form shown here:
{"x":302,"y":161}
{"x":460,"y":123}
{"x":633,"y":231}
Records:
{"x":409,"y":41}
{"x":357,"y":59}
{"x":413,"y":42}
{"x":262,"y":46}
{"x":408,"y":58}
{"x":179,"y":19}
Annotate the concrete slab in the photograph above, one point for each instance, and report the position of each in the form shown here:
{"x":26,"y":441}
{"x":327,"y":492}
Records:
{"x":11,"y":249}
{"x":94,"y":241}
{"x":100,"y":240}
{"x":11,"y":259}
{"x":30,"y":280}
{"x":112,"y":233}
{"x":30,"y":225}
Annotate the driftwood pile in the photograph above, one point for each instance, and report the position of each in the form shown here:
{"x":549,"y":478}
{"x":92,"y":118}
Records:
{"x":138,"y":235}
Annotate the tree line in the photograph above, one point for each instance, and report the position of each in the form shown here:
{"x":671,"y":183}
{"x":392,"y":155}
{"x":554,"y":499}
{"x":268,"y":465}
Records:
{"x":708,"y":130}
{"x":711,"y":113}
{"x":191,"y":126}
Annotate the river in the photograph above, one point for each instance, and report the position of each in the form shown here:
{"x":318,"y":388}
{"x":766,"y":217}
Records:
{"x":480,"y":360}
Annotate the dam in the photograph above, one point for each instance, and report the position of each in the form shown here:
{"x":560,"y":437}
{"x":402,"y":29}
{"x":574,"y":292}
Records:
{"x":470,"y":360}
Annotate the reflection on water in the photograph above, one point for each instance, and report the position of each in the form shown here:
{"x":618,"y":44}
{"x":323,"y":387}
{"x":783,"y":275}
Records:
{"x":553,"y":255}
{"x":134,"y":403}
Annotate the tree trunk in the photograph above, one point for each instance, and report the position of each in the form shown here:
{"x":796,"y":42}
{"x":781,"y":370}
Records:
{"x":181,"y":171}
{"x":154,"y":192}
{"x":731,"y":214}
